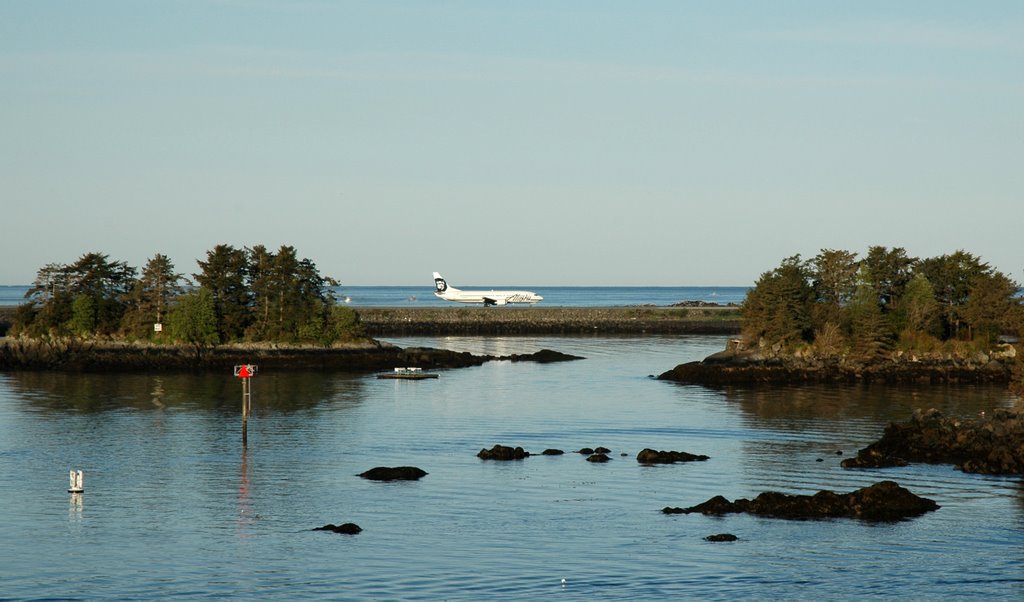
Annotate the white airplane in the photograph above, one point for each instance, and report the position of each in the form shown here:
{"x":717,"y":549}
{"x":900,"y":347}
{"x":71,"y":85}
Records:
{"x":450,"y":293}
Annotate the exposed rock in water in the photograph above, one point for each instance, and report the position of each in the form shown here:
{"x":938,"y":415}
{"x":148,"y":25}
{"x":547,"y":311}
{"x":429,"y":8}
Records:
{"x":883,"y":501}
{"x":552,"y":452}
{"x":503,"y":452}
{"x":544,"y":356}
{"x":599,"y":458}
{"x":721,"y":537}
{"x":345,"y":529}
{"x":586,"y":451}
{"x":650,"y":456}
{"x":397,"y":473}
{"x":698,"y":303}
{"x":990,"y":444}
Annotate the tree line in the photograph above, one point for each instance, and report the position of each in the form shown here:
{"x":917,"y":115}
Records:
{"x":238,"y":295}
{"x":865,"y":307}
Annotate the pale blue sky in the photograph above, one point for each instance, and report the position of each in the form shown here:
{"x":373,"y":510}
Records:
{"x":511,"y":143}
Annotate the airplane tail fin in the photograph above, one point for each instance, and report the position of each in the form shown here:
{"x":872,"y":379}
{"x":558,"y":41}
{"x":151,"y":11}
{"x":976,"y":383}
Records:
{"x":440,"y":285}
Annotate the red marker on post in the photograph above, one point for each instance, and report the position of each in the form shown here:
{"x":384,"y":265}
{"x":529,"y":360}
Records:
{"x":245,"y":372}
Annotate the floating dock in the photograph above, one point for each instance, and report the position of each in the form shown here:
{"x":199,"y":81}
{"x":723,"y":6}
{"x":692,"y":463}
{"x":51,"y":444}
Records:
{"x":408,"y":374}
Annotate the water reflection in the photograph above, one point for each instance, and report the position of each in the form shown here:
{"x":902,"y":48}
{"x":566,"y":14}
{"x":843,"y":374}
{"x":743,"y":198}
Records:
{"x":158,"y":392}
{"x":75,"y":507}
{"x":790,"y":407}
{"x":90,"y":393}
{"x":246,"y":515}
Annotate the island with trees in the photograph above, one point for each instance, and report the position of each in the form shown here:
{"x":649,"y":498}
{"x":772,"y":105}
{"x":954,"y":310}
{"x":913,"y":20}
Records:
{"x":242,"y":306}
{"x":885,"y":316}
{"x":239,"y":295}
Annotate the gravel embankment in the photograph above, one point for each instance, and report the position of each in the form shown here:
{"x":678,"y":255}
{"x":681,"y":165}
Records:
{"x":549,"y":320}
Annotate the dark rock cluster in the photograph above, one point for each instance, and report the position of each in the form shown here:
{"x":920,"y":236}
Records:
{"x":503,"y":452}
{"x":883,"y":501}
{"x":345,"y":529}
{"x":989,"y":444}
{"x":598,"y":454}
{"x":397,"y":473}
{"x":721,"y":537}
{"x":650,"y":456}
{"x":544,"y":356}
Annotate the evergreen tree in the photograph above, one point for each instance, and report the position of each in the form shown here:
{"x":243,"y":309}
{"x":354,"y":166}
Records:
{"x":778,"y":308}
{"x":292,"y":299}
{"x":224,"y":275}
{"x":992,"y":308}
{"x":952,"y":277}
{"x":193,"y":319}
{"x":290,"y":311}
{"x":919,"y":311}
{"x":261,"y":279}
{"x":888,"y":272}
{"x":152,"y":295}
{"x":834,"y":276}
{"x":314,"y":295}
{"x":870,"y":334}
{"x":83,"y":315}
{"x":48,"y":306}
{"x":106,"y":283}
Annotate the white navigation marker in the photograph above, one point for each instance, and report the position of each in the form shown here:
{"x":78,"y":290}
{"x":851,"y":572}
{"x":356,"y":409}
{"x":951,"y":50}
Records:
{"x":76,"y":481}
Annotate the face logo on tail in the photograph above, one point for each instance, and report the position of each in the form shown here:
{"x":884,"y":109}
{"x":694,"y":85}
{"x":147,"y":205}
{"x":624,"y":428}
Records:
{"x":439,"y":283}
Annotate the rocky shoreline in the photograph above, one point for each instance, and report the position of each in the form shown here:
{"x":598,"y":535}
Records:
{"x":738,"y":366}
{"x":433,"y":321}
{"x":987,"y":444}
{"x":471,"y":320}
{"x":76,"y":355}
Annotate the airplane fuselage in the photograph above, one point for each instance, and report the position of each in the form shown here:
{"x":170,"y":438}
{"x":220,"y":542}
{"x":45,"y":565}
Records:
{"x":450,"y":293}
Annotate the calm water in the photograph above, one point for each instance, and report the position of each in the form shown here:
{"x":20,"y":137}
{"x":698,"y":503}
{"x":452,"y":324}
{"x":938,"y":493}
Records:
{"x":174,"y":507}
{"x":554,"y":296}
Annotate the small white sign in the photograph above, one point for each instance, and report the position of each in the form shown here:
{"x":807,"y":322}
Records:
{"x":158,"y":327}
{"x":245,"y":370}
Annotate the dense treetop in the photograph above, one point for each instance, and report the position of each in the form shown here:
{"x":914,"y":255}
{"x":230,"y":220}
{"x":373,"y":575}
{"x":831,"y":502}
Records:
{"x":249,"y":294}
{"x":837,"y":303}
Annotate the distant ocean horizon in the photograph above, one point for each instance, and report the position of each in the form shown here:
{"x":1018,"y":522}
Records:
{"x":554,"y":296}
